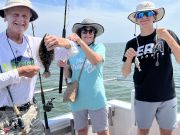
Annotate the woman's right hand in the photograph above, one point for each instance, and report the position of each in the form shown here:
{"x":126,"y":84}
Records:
{"x":130,"y":54}
{"x":67,"y":69}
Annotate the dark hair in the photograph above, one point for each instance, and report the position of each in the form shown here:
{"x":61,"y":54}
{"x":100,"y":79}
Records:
{"x":79,"y":31}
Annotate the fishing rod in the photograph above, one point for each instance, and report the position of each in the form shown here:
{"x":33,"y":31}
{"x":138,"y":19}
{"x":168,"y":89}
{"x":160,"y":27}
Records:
{"x":63,"y":35}
{"x":46,"y":106}
{"x":18,"y":121}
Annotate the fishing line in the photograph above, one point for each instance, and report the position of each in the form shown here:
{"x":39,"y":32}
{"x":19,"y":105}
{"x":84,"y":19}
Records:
{"x":48,"y":132}
{"x":137,"y":62}
{"x":68,"y":15}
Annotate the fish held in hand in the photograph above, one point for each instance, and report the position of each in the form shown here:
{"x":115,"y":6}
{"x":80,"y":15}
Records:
{"x":46,"y":57}
{"x":137,"y":63}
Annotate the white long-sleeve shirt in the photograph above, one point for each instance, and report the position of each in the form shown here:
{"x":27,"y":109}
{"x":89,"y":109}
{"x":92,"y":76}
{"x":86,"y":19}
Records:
{"x":22,"y":88}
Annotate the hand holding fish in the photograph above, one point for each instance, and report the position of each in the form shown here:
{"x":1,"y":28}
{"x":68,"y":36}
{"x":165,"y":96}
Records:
{"x":51,"y":42}
{"x":28,"y":71}
{"x":74,"y":37}
{"x":46,"y":50}
{"x":162,"y":33}
{"x":130,"y":54}
{"x":137,"y":63}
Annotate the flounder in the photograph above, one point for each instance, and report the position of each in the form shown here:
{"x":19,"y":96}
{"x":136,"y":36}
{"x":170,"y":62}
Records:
{"x":46,"y":57}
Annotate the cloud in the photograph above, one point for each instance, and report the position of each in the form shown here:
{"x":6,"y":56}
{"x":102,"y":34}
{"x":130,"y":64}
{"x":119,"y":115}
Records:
{"x":112,"y":14}
{"x":51,"y":20}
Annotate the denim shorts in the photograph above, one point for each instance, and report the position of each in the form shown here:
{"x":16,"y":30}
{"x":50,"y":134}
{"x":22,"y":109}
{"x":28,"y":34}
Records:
{"x":99,"y":119}
{"x":164,"y":112}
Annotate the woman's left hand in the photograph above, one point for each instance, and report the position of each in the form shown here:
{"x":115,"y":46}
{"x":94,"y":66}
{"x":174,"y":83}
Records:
{"x":74,"y":37}
{"x":52,"y":42}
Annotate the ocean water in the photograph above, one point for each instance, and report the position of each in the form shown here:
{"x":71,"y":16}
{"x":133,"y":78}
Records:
{"x":115,"y":89}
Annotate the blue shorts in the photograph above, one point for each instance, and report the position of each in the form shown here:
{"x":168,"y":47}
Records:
{"x":164,"y":112}
{"x":99,"y":119}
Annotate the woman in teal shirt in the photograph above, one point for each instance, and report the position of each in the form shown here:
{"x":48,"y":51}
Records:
{"x":91,"y":100}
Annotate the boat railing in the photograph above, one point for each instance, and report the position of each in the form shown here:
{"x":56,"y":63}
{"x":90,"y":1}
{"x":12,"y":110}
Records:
{"x":122,"y":79}
{"x":109,"y":83}
{"x":106,"y":80}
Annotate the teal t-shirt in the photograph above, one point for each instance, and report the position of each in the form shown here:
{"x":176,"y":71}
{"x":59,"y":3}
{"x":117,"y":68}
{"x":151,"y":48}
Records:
{"x":91,"y":92}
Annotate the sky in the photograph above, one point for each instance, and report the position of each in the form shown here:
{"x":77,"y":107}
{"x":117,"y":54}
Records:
{"x":112,"y":14}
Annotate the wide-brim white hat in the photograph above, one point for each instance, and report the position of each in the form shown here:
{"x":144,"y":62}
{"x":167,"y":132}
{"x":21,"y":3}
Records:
{"x":88,"y":22}
{"x":15,"y":3}
{"x":145,"y":6}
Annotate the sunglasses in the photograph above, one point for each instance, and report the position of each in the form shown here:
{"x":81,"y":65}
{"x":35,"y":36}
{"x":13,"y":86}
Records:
{"x":140,"y":15}
{"x":90,"y":31}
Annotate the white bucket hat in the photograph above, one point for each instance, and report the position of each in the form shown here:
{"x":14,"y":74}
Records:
{"x":145,"y":6}
{"x":88,"y":22}
{"x":15,"y":3}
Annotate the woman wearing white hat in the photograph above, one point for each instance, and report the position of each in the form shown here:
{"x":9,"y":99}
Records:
{"x":91,"y":98}
{"x":153,"y":74}
{"x":18,"y":70}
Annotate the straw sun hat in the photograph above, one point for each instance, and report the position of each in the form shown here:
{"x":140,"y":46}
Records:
{"x":15,"y":3}
{"x":88,"y":22}
{"x":145,"y":6}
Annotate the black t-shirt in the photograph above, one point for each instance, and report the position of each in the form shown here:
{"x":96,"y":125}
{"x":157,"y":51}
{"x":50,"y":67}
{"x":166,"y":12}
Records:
{"x":154,"y":83}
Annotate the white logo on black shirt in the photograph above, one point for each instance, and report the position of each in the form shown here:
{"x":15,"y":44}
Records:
{"x":149,"y":50}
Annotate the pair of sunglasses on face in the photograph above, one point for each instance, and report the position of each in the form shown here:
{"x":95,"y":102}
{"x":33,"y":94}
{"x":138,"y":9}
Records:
{"x":140,"y":15}
{"x":90,"y":31}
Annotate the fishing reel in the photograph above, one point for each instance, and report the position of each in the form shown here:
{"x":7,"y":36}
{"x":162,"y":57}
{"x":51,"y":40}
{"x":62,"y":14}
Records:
{"x":49,"y":105}
{"x":17,"y":123}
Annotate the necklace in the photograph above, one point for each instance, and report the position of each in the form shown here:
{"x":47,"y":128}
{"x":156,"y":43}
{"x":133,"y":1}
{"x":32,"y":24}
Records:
{"x":29,"y":51}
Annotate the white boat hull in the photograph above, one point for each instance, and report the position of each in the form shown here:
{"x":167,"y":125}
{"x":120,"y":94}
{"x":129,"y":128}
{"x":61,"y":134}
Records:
{"x":121,"y":120}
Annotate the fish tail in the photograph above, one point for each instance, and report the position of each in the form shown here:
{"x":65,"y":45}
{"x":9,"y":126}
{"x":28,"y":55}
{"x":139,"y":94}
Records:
{"x":46,"y":74}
